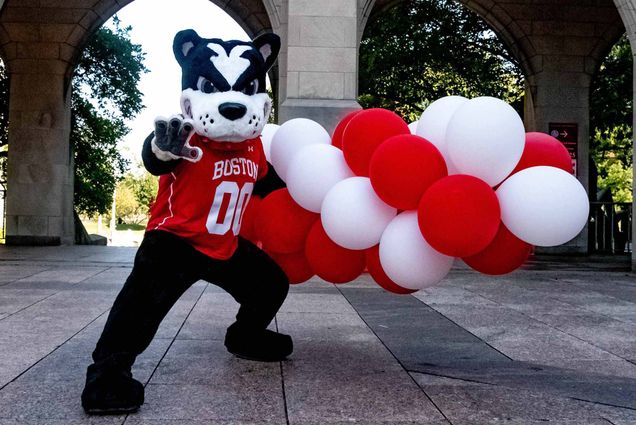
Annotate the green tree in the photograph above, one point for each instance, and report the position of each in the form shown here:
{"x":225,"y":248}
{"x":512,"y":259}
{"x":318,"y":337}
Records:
{"x":611,"y":116}
{"x":105,"y":93}
{"x":127,"y":208}
{"x":421,"y":50}
{"x":134,"y":196}
{"x":144,"y":188}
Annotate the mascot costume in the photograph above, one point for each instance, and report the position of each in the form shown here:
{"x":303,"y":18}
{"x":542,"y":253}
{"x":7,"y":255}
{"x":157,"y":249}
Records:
{"x":209,"y":159}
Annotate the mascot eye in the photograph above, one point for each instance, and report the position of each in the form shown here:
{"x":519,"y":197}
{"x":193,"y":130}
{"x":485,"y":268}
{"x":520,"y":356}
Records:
{"x":206,"y":86}
{"x":251,"y":88}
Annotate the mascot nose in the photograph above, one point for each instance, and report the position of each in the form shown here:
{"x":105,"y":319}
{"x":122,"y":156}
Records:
{"x":232,"y":111}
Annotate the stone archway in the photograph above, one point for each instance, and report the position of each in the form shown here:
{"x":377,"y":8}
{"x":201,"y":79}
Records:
{"x":559,"y":46}
{"x":41,"y":42}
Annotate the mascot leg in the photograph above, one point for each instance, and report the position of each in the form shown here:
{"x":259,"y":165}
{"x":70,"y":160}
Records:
{"x":165,"y":267}
{"x":260,"y":286}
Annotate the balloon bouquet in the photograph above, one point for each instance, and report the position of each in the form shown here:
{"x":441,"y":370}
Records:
{"x":468,"y":184}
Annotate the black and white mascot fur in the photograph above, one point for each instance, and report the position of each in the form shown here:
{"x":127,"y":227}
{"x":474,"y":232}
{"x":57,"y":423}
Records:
{"x":209,"y":159}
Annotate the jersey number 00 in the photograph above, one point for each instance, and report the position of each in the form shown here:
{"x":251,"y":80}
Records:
{"x":228,"y":207}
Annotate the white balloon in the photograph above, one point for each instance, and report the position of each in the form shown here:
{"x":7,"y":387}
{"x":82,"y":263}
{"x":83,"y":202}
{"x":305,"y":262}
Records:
{"x":413,"y":127}
{"x":434,"y":120}
{"x":291,"y":137}
{"x":352,"y":214}
{"x":543,"y":206}
{"x":485,"y":138}
{"x":407,"y":258}
{"x":266,"y":138}
{"x":313,"y":171}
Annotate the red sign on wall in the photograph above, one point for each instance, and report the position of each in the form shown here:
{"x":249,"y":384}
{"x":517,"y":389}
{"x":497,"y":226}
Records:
{"x":568,"y":134}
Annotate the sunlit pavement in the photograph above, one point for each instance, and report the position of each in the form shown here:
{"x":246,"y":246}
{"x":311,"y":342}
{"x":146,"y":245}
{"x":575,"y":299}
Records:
{"x":554,"y":343}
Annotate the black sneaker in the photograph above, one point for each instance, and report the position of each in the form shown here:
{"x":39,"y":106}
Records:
{"x":111,"y":392}
{"x":261,"y":345}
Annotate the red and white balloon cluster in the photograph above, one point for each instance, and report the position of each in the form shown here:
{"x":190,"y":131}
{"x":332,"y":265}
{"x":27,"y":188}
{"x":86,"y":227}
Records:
{"x":468,"y":184}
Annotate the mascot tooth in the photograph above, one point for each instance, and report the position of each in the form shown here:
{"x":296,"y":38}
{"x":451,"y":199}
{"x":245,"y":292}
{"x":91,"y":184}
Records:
{"x":210,"y":161}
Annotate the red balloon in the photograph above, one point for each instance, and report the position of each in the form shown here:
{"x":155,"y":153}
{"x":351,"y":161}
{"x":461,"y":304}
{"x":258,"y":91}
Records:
{"x":403,"y":167}
{"x":543,"y":149}
{"x":459,"y":215}
{"x":248,"y":229}
{"x":295,"y":266}
{"x":377,"y":273}
{"x":282,"y":225}
{"x":330,"y":261}
{"x":336,"y":139}
{"x":365,"y":132}
{"x":505,"y":254}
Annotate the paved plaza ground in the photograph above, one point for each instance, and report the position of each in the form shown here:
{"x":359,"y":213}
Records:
{"x":554,"y":343}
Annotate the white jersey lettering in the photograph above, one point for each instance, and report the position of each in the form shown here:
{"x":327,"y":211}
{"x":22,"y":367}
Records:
{"x":235,"y":167}
{"x":218,"y":170}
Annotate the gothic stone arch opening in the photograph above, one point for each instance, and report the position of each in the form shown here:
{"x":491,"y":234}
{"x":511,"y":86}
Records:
{"x":559,"y":45}
{"x":41,"y":42}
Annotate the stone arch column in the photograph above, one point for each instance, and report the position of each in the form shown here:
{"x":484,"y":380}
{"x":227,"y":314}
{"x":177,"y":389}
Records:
{"x":318,"y":61}
{"x":627,"y":11}
{"x":40,"y":178}
{"x":41,"y":41}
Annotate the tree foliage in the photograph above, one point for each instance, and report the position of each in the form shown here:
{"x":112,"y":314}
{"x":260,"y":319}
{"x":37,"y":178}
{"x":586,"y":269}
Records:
{"x":97,"y":159}
{"x":105,"y":93}
{"x":611,"y":120}
{"x":145,"y":188}
{"x":126,"y":206}
{"x":135,"y":195}
{"x":421,"y":50}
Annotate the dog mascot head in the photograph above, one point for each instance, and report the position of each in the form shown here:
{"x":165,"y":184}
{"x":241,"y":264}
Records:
{"x":223,"y":84}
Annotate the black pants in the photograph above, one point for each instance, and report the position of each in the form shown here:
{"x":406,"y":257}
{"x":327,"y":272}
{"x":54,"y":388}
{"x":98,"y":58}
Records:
{"x":165,"y":267}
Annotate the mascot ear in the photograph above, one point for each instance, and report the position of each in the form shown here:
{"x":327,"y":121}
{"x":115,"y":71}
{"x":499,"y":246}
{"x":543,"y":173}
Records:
{"x":269,"y":46}
{"x":183,"y":43}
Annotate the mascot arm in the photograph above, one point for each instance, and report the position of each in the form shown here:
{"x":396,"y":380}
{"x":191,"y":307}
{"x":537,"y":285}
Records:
{"x":268,"y":183}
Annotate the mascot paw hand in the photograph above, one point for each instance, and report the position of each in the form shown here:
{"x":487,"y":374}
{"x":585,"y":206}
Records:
{"x":171,"y":139}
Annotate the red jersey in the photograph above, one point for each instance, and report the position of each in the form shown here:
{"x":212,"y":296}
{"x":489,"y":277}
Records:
{"x":203,"y":202}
